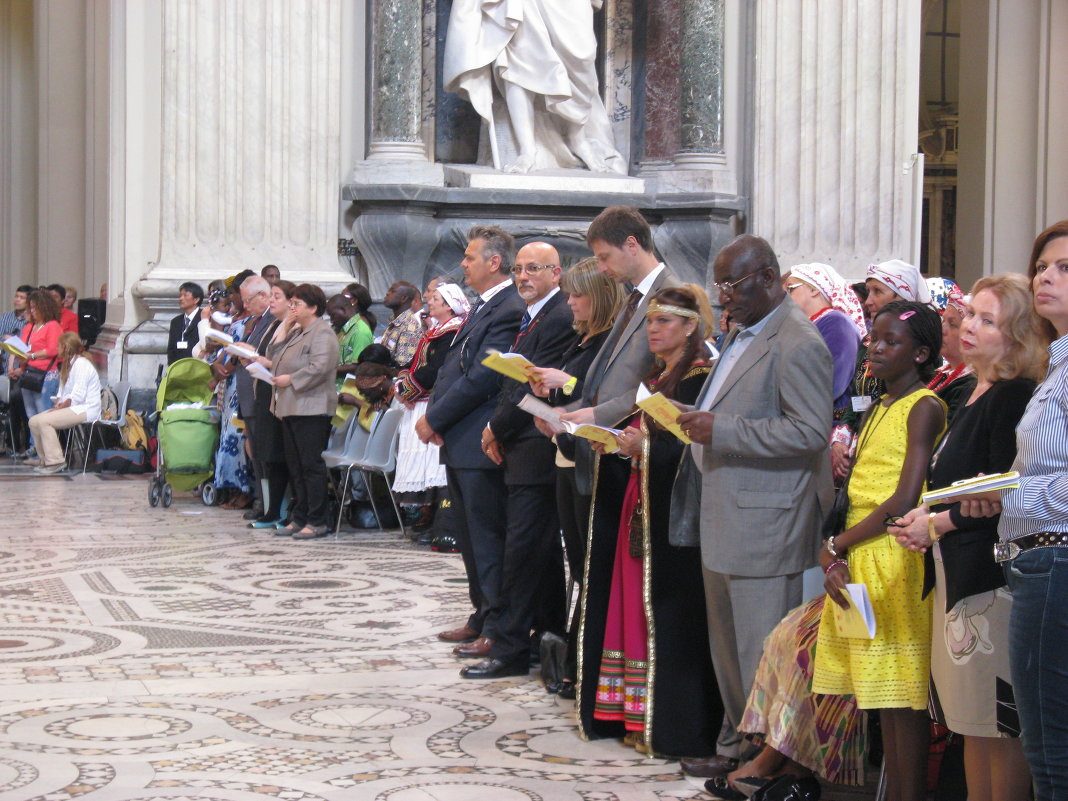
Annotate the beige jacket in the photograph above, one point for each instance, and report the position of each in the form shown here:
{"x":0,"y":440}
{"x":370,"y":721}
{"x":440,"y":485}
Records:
{"x":309,"y":357}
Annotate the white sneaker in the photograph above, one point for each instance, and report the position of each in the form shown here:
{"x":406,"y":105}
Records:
{"x":51,"y":468}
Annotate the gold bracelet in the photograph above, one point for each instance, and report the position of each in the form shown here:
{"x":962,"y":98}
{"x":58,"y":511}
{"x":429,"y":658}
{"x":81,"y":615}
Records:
{"x":934,"y":535}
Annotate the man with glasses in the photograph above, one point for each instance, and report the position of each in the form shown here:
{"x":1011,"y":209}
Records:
{"x":760,"y":430}
{"x":532,"y":571}
{"x":255,"y":296}
{"x":622,"y":242}
{"x":463,"y":400}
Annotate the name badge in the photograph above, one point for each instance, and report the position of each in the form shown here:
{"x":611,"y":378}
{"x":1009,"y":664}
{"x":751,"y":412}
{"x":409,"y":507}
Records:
{"x":861,"y":403}
{"x":183,"y":344}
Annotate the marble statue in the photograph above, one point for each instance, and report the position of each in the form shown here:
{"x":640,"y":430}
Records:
{"x":527,"y":67}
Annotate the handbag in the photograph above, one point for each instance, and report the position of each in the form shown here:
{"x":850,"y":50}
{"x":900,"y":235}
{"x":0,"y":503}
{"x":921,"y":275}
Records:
{"x":33,"y":378}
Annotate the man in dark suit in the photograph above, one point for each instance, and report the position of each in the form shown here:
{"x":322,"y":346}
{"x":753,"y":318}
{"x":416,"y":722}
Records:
{"x":183,"y":334}
{"x":463,"y":399}
{"x":622,"y":242}
{"x":532,"y":576}
{"x":255,"y":296}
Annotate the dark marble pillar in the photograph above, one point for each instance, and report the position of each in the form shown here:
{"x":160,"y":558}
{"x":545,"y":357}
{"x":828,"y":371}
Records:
{"x":661,"y":116}
{"x":396,"y":81}
{"x":701,"y":81}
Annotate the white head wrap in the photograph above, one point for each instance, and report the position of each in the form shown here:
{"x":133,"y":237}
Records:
{"x":833,"y":287}
{"x":454,"y":297}
{"x":902,"y":278}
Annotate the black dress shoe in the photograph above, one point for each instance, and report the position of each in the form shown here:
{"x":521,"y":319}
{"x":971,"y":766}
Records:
{"x":790,"y":788}
{"x":495,"y":669}
{"x":567,"y":690}
{"x":708,"y":767}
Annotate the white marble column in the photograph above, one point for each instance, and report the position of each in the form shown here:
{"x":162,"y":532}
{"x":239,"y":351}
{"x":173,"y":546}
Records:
{"x":836,"y":119}
{"x":250,"y":150}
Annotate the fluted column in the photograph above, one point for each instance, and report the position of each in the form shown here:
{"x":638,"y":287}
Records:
{"x":836,"y":95}
{"x":396,"y":81}
{"x":701,"y":84}
{"x":251,"y":121}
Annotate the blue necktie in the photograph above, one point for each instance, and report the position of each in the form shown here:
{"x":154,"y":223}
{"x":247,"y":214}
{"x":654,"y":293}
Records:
{"x":524,"y":322}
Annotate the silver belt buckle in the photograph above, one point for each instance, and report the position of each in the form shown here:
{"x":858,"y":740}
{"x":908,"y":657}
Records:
{"x":1006,"y":551}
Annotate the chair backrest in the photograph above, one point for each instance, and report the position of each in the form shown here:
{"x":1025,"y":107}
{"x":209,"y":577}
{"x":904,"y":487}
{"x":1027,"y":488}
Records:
{"x":340,"y":435}
{"x":356,"y":445}
{"x":5,"y":389}
{"x":122,"y":395}
{"x":381,"y":453}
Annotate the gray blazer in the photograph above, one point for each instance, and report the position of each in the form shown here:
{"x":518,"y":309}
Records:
{"x":612,"y":380}
{"x":309,"y":356}
{"x":246,"y":398}
{"x":765,"y":480}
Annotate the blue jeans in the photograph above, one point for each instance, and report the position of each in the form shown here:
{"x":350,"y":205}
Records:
{"x":1038,"y":651}
{"x":37,"y":402}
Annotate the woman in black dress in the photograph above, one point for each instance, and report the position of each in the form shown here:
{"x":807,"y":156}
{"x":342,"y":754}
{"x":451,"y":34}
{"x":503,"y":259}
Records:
{"x":595,"y":300}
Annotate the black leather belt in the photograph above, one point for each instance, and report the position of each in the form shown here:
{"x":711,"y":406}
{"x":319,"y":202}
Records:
{"x":1007,"y":551}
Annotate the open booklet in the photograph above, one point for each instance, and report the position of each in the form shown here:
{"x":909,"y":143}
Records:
{"x":219,"y":336}
{"x":513,"y":365}
{"x":661,"y":410}
{"x":241,"y":350}
{"x":606,"y":436}
{"x":970,"y":486}
{"x":257,"y":370}
{"x":15,"y":346}
{"x":858,"y":621}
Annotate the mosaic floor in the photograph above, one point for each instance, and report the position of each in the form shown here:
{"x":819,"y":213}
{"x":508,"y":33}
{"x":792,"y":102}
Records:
{"x":173,"y":654}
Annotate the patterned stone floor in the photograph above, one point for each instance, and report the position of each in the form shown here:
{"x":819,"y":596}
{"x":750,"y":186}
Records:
{"x":174,"y":654}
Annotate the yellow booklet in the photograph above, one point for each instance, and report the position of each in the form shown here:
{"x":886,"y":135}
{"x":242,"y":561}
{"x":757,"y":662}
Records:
{"x":662,"y":410}
{"x":15,"y":346}
{"x":858,"y":621}
{"x":538,"y":408}
{"x":513,"y":365}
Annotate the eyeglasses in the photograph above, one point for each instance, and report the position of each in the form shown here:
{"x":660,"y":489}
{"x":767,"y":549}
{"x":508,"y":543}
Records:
{"x":296,"y":304}
{"x":533,"y":269}
{"x":727,"y":287}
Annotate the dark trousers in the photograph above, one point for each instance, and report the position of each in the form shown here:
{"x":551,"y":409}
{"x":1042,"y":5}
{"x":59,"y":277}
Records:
{"x":258,"y":472}
{"x":20,"y":425}
{"x":574,"y":510}
{"x":479,"y":500}
{"x":304,"y":438}
{"x":532,"y":576}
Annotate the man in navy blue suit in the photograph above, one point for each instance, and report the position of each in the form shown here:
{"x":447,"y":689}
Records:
{"x":462,"y":402}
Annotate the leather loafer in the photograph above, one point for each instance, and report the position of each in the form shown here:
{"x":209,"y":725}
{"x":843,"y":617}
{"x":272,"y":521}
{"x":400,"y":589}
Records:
{"x":495,"y":669}
{"x":462,"y":634}
{"x":789,"y":788}
{"x":708,"y":767}
{"x":478,"y":648}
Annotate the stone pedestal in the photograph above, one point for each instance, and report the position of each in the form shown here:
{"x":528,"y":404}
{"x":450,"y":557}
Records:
{"x":413,"y":233}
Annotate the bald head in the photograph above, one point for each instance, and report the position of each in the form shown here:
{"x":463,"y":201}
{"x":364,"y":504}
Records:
{"x":537,"y":271}
{"x":748,"y":278}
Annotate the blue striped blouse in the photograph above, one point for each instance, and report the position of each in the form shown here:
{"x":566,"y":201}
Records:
{"x":1041,"y":502}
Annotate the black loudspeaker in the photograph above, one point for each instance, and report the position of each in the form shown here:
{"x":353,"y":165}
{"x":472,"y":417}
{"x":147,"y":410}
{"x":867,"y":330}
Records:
{"x":91,"y":312}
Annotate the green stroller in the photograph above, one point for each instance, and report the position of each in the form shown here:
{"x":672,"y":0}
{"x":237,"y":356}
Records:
{"x":188,"y":435}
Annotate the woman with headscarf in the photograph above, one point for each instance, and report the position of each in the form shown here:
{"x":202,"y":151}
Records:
{"x":419,"y":470}
{"x":834,"y":308}
{"x":954,"y":380}
{"x":886,"y":282}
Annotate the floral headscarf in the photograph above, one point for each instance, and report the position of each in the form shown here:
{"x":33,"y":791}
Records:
{"x":945,"y":292}
{"x":835,"y":288}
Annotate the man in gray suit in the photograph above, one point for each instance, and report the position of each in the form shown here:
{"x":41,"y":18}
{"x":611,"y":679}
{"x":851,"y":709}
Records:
{"x":760,"y":429}
{"x":622,"y":242}
{"x":255,"y":295}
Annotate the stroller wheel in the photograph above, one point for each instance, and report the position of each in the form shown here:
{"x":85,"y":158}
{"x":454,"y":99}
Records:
{"x":153,"y":492}
{"x":208,"y":494}
{"x":166,"y":495}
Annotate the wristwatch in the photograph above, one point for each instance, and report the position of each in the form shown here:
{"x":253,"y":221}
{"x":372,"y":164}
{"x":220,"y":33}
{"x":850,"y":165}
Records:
{"x":569,"y":387}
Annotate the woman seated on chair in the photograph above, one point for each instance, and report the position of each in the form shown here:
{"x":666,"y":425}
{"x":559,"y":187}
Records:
{"x":78,"y":402}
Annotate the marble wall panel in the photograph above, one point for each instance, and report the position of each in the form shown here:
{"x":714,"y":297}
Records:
{"x":662,"y":53}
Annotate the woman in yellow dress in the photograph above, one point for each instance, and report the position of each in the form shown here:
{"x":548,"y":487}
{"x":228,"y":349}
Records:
{"x":890,"y":671}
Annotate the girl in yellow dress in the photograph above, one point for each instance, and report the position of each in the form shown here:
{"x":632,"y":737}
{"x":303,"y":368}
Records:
{"x":889,"y":672}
